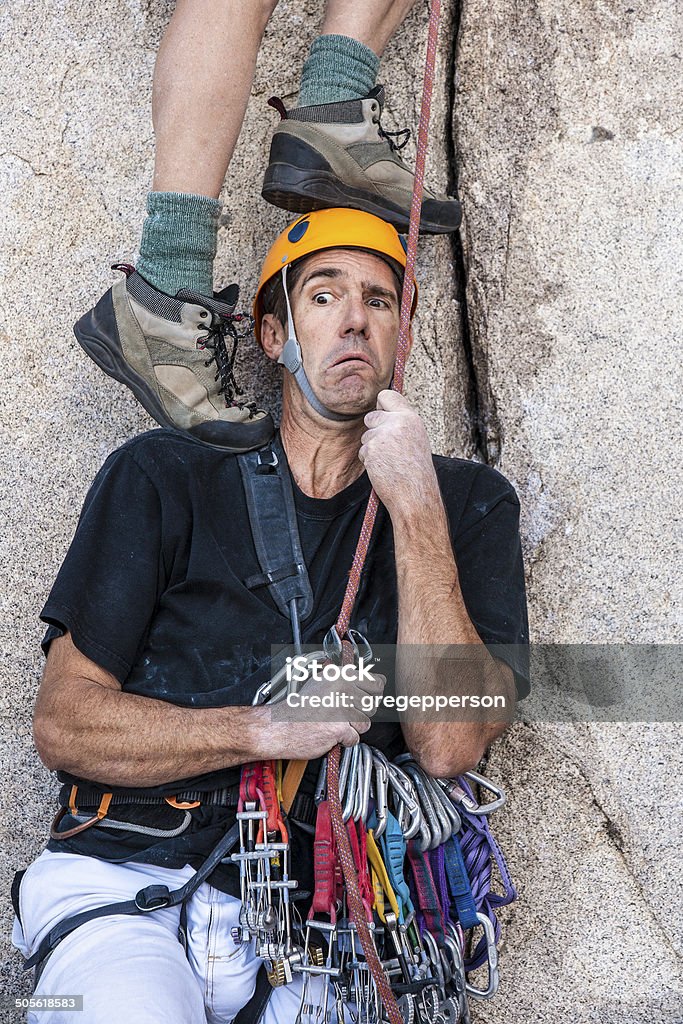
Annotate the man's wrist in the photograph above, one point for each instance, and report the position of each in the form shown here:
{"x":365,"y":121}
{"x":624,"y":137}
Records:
{"x":257,"y":743}
{"x":424,"y":513}
{"x":245,"y":735}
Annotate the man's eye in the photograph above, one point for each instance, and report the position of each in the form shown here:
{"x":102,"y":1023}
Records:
{"x":378,"y":303}
{"x":322,"y":298}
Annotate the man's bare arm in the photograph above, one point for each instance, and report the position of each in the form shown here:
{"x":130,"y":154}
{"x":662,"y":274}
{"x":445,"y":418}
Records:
{"x":432,"y":612}
{"x":85,"y":724}
{"x":397,"y":455}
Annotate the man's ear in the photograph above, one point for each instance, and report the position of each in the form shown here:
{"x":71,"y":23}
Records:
{"x":273,"y":336}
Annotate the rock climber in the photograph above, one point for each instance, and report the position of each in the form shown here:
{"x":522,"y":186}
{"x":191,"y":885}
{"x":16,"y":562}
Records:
{"x":155,"y":643}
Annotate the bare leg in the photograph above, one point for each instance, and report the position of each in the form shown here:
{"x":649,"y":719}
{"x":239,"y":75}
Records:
{"x":372,"y":22}
{"x":202,"y":79}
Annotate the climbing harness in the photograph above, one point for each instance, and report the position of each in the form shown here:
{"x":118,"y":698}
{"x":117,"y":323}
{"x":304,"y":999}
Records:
{"x":147,"y":900}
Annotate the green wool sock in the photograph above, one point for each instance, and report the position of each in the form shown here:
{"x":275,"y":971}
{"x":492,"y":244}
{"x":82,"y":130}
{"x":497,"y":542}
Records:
{"x":337,"y":68}
{"x":178,"y":242}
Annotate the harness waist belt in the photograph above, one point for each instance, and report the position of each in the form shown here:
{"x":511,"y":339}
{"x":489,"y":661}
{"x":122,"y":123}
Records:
{"x":303,"y":809}
{"x":227,"y":797}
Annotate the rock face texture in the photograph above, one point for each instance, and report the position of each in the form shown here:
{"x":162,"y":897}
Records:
{"x":548,"y":344}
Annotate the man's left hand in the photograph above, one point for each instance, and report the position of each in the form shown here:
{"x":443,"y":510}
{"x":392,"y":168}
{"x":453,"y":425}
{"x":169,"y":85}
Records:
{"x":396,"y":453}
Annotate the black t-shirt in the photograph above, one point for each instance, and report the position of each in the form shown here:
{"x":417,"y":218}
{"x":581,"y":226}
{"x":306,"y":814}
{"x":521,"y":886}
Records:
{"x":152,"y":590}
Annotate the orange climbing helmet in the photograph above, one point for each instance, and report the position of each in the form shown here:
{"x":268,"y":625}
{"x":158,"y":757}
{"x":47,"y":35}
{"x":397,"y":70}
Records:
{"x":330,"y":229}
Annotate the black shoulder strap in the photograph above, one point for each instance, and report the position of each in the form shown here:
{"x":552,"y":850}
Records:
{"x":272,"y":515}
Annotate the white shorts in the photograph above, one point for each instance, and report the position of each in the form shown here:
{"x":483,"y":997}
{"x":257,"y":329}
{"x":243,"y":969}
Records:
{"x":133,"y":970}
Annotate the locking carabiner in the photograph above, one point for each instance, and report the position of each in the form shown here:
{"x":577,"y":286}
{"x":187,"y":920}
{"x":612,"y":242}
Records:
{"x":459,"y":795}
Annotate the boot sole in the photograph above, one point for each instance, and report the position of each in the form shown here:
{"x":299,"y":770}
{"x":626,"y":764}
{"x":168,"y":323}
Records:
{"x":97,"y":334}
{"x":303,"y":191}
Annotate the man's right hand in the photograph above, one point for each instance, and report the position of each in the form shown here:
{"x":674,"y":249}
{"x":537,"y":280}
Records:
{"x":87,"y":725}
{"x":305,"y":733}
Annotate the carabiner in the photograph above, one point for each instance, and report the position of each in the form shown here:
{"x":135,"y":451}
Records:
{"x":362,"y":801}
{"x":407,"y":802}
{"x":263,"y":694}
{"x":457,"y":966}
{"x":492,"y":787}
{"x":349,"y":795}
{"x":492,"y":958}
{"x":454,"y":943}
{"x":434,"y":811}
{"x":380,"y":790}
{"x":344,"y":765}
{"x":361,"y":647}
{"x":458,"y":795}
{"x":444,"y":809}
{"x":276,"y":689}
{"x":448,"y":807}
{"x":332,"y":646}
{"x":430,"y":830}
{"x":435,"y":960}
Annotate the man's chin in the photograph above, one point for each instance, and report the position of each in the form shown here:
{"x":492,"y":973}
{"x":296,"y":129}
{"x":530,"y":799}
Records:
{"x":356,"y":392}
{"x":351,"y":400}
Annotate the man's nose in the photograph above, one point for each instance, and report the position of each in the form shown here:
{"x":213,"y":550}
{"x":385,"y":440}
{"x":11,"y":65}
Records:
{"x":355,"y":319}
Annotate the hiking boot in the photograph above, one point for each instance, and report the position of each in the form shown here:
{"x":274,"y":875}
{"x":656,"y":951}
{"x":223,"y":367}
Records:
{"x":172,"y":354}
{"x":338,"y":154}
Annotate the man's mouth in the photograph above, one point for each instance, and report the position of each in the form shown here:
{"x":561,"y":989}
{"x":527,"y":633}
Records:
{"x":350,"y":357}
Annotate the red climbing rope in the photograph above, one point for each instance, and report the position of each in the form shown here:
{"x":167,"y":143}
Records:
{"x":406,"y":305}
{"x":340,"y":834}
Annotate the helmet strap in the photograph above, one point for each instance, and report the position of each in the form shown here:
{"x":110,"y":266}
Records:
{"x":292,"y":360}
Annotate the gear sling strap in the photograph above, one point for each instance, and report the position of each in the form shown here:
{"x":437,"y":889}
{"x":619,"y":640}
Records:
{"x":272,"y":517}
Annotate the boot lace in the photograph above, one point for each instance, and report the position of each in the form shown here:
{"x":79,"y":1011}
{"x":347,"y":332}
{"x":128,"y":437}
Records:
{"x":393,"y":137}
{"x":220,"y":328}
